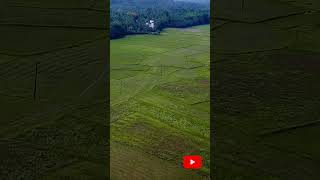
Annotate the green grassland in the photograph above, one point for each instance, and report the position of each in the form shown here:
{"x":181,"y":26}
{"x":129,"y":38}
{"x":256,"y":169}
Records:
{"x":266,"y":103}
{"x":160,"y":103}
{"x":59,"y":131}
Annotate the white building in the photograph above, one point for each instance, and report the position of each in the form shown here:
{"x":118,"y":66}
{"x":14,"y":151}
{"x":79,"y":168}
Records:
{"x":150,"y":24}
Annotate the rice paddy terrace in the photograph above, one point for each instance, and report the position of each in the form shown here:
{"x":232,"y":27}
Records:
{"x":266,"y":66}
{"x":160,"y":103}
{"x":53,"y":90}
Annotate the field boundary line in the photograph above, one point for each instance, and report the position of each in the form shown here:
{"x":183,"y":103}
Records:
{"x":53,"y":26}
{"x":289,"y":128}
{"x":56,"y":49}
{"x":250,"y":52}
{"x":261,"y":21}
{"x":57,"y":8}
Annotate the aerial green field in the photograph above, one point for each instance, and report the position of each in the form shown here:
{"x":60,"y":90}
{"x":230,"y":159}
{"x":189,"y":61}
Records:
{"x":160,"y":104}
{"x":266,"y":89}
{"x":53,"y":90}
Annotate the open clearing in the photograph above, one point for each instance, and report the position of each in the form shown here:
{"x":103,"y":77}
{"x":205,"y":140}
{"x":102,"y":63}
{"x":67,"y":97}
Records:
{"x":160,"y":103}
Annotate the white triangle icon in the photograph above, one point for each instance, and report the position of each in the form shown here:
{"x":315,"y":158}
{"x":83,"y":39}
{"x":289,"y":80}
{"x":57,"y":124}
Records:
{"x":192,"y":161}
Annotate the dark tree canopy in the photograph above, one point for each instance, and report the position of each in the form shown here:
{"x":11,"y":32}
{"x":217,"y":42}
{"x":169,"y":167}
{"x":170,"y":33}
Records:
{"x":131,"y":16}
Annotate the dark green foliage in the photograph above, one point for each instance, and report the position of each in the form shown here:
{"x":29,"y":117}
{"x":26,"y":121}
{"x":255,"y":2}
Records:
{"x":130,"y":17}
{"x":116,"y":29}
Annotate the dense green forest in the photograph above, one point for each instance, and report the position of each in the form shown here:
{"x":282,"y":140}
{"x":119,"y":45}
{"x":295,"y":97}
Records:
{"x":133,"y":16}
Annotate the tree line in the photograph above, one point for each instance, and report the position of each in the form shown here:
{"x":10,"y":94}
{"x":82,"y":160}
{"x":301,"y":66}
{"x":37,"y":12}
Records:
{"x":130,"y":17}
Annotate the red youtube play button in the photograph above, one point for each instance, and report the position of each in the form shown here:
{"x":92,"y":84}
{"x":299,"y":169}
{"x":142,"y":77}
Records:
{"x":192,"y":162}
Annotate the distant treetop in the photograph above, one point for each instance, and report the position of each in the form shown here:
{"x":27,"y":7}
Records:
{"x":133,"y":16}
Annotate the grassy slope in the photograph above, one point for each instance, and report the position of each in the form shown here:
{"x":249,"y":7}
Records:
{"x":159,"y":103}
{"x":266,"y":105}
{"x":63,"y":133}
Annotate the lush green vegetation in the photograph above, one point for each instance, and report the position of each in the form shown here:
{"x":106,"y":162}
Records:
{"x":160,"y":103}
{"x":130,"y":17}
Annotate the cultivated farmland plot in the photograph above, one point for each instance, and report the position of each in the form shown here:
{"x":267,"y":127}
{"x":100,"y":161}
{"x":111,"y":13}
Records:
{"x":266,"y":106}
{"x":53,"y":90}
{"x":160,"y":104}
